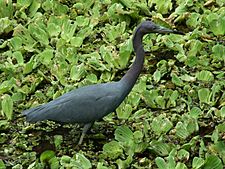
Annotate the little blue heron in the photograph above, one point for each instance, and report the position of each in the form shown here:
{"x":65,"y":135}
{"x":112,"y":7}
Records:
{"x":87,"y":104}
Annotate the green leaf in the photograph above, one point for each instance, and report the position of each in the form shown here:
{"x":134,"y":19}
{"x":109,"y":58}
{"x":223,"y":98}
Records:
{"x":6,"y":9}
{"x":85,"y":32}
{"x":195,"y":112}
{"x":34,"y":7}
{"x":4,"y":124}
{"x":139,"y":114}
{"x":59,"y":8}
{"x":138,"y":135}
{"x":106,"y":54}
{"x":218,"y":52}
{"x":192,"y":61}
{"x":27,"y":39}
{"x":161,"y":125}
{"x":28,"y":67}
{"x":24,"y":4}
{"x":83,"y":161}
{"x":7,"y":85}
{"x":195,"y":47}
{"x":215,"y":136}
{"x":39,"y":33}
{"x":16,"y":43}
{"x":101,"y":166}
{"x":192,"y":125}
{"x":68,"y":29}
{"x":46,"y":56}
{"x":143,"y":6}
{"x":221,"y":127}
{"x":95,"y":64}
{"x":77,"y":72}
{"x":183,"y":155}
{"x":176,"y":80}
{"x":219,"y":148}
{"x":134,"y":99}
{"x":124,"y":111}
{"x":181,"y":166}
{"x":7,"y":106}
{"x":222,"y":111}
{"x":161,"y":101}
{"x":87,"y":4}
{"x":19,"y":57}
{"x":123,"y":134}
{"x":204,"y":95}
{"x":91,"y":78}
{"x":46,"y":156}
{"x":115,"y":11}
{"x":82,"y":21}
{"x":54,"y":163}
{"x":220,"y":2}
{"x":53,"y":29}
{"x":48,"y":5}
{"x":194,"y":20}
{"x":217,"y":26}
{"x":112,"y":149}
{"x":160,"y":162}
{"x":76,"y":41}
{"x":65,"y":160}
{"x":205,"y":75}
{"x":58,"y":139}
{"x":173,"y":98}
{"x":149,"y":98}
{"x":124,"y":52}
{"x":6,"y":25}
{"x":128,"y":3}
{"x":213,"y":162}
{"x":157,"y":76}
{"x":181,"y":57}
{"x":17,"y":97}
{"x":113,"y":32}
{"x":160,"y":148}
{"x":2,"y":165}
{"x":197,"y":162}
{"x":124,"y":163}
{"x":162,"y":6}
{"x":181,"y":130}
{"x":79,"y":6}
{"x":171,"y":159}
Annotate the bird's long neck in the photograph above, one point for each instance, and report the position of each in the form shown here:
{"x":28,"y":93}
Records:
{"x":132,"y":74}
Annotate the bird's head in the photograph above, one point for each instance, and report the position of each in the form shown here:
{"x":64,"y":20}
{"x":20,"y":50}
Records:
{"x":150,"y":27}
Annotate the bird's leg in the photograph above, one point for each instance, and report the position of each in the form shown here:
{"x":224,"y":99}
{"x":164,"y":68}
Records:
{"x":84,"y":131}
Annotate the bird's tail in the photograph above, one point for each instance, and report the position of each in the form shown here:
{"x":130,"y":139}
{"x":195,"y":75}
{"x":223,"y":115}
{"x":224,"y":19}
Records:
{"x":35,"y":114}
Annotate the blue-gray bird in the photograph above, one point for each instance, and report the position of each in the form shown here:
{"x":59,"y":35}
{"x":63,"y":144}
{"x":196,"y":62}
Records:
{"x":87,"y":104}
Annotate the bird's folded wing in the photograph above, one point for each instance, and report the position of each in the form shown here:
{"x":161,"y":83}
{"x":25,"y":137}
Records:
{"x":82,"y":105}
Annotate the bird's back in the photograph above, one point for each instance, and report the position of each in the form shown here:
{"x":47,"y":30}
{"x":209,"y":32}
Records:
{"x":82,"y":105}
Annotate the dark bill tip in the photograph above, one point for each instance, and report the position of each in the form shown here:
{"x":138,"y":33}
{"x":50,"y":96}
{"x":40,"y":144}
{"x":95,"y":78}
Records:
{"x":166,"y":30}
{"x":178,"y":32}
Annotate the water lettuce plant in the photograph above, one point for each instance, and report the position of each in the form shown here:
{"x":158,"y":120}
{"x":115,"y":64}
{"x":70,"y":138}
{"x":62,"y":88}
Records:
{"x":174,"y":116}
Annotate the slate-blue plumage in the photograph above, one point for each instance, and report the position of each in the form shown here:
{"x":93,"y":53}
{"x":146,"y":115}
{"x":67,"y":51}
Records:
{"x":62,"y":108}
{"x":90,"y":103}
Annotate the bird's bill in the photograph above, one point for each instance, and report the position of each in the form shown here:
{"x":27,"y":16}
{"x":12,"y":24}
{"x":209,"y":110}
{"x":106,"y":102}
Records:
{"x":165,"y":30}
